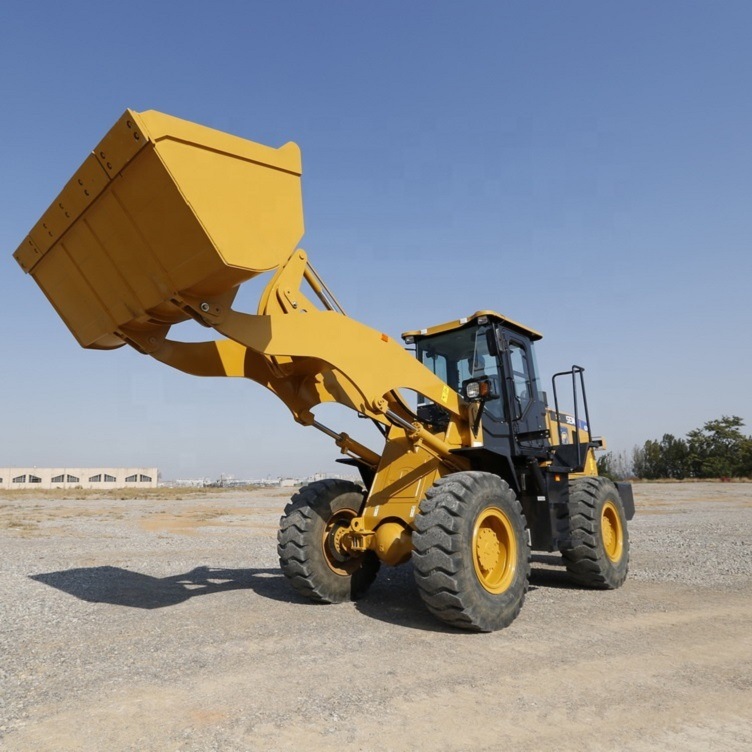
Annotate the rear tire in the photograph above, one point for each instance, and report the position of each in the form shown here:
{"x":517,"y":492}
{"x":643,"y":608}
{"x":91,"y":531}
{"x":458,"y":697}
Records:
{"x":310,"y":524}
{"x":599,"y":553}
{"x":471,"y":553}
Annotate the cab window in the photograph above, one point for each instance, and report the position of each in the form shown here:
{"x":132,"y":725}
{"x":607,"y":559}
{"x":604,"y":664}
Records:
{"x":462,"y":354}
{"x":520,"y":374}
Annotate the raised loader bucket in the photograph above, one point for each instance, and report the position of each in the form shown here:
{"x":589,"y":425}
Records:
{"x":162,"y":208}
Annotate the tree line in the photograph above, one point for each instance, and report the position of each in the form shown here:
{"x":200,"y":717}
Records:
{"x":717,"y":450}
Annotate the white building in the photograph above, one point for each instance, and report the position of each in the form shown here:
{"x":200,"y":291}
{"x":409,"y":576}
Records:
{"x":78,"y":477}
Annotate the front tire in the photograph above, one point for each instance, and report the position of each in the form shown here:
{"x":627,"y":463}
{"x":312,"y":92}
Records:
{"x":306,"y":543}
{"x":598,"y":556}
{"x":471,"y":552}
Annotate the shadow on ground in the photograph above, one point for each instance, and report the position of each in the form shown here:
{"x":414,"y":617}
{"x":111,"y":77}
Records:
{"x":547,"y":577}
{"x":122,"y":587}
{"x":393,"y":598}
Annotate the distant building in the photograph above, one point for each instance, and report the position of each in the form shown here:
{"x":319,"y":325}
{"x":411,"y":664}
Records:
{"x":188,"y":483}
{"x":78,"y":477}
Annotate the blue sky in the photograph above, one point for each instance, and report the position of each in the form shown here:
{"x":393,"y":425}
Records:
{"x":583,"y":167}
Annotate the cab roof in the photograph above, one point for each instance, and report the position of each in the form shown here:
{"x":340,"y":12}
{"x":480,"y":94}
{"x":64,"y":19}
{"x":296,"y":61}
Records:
{"x":468,"y":320}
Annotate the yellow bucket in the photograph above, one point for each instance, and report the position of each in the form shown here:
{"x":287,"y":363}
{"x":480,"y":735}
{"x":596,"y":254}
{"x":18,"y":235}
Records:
{"x":162,"y":208}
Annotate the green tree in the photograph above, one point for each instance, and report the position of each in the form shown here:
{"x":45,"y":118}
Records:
{"x":746,"y":464}
{"x":615,"y":466}
{"x":720,"y":449}
{"x":647,"y":460}
{"x":605,"y":466}
{"x":674,"y":457}
{"x":638,"y":461}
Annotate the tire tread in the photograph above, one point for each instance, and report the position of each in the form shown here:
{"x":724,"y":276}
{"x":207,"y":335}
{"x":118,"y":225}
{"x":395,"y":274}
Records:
{"x":296,"y":545}
{"x":440,"y":561}
{"x":586,"y":560}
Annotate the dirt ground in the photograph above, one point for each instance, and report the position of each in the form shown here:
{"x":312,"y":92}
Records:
{"x":165,"y":624}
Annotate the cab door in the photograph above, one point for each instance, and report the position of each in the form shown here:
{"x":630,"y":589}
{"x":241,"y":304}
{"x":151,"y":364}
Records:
{"x":525,"y":400}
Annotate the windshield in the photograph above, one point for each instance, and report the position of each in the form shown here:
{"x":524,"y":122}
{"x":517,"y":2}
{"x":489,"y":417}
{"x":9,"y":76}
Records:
{"x":460,"y":355}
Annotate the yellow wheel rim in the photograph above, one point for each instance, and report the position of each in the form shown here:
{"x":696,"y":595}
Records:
{"x":494,"y":550}
{"x":339,"y":561}
{"x":612,"y":533}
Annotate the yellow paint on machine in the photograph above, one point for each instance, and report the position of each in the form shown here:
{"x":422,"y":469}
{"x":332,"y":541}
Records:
{"x":162,"y":207}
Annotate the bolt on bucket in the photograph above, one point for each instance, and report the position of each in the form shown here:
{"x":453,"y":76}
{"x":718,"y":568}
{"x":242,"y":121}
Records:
{"x":162,"y":208}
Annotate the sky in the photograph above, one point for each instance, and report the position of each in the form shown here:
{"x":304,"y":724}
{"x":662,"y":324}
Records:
{"x":582,"y":167}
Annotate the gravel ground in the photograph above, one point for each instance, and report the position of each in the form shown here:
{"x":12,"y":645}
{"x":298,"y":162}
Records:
{"x":105,"y":643}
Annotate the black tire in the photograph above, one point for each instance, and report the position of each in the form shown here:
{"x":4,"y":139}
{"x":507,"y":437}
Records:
{"x":451,"y":561}
{"x":599,"y":553}
{"x":314,"y":568}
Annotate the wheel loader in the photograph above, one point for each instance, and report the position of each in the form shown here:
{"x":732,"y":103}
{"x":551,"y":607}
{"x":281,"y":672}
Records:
{"x":474,"y":467}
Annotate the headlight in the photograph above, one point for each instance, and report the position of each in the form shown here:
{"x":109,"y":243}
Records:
{"x":478,"y":389}
{"x":472,"y":390}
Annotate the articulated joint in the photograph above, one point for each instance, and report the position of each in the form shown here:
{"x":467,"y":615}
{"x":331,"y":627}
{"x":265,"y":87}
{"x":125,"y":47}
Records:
{"x":208,"y":311}
{"x":391,"y":541}
{"x":357,"y":540}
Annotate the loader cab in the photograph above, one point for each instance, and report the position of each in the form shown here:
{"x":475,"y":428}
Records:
{"x":490,"y":353}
